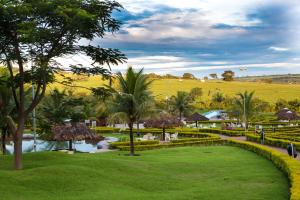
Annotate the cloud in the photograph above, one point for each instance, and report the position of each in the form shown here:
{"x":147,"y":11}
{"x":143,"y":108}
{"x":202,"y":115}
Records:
{"x":279,"y":49}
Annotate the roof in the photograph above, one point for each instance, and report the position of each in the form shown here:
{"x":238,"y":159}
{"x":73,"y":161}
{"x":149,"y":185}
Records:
{"x":75,"y":131}
{"x":163,"y":121}
{"x":286,"y":114}
{"x":197,"y":117}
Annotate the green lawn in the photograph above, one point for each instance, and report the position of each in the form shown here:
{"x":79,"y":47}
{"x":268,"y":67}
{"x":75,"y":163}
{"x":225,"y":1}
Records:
{"x":180,"y":173}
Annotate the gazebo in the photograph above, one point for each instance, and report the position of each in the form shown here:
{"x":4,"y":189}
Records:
{"x":197,"y":117}
{"x":163,"y":121}
{"x":286,"y":114}
{"x":74,"y":132}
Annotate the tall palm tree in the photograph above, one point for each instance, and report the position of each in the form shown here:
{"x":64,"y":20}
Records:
{"x":181,"y":103}
{"x":245,"y":105}
{"x":130,"y":98}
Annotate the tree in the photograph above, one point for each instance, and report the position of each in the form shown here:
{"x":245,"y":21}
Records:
{"x":228,"y":75}
{"x":131,"y":98}
{"x":280,"y":104}
{"x":217,"y":99}
{"x":188,"y":76}
{"x":37,"y":32}
{"x":195,"y":93}
{"x":245,"y":105}
{"x":181,"y":103}
{"x":214,"y":76}
{"x":6,"y":107}
{"x":58,"y":107}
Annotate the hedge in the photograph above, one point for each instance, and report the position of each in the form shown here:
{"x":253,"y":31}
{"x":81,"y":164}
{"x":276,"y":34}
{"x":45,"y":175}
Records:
{"x":288,"y":165}
{"x":206,"y":142}
{"x":222,"y":132}
{"x":273,"y":142}
{"x":115,"y":145}
{"x":106,"y":130}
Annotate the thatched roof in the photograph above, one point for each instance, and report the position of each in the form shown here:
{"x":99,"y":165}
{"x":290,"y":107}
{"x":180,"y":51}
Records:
{"x":197,"y":117}
{"x":163,"y":121}
{"x":77,"y":131}
{"x":286,"y":114}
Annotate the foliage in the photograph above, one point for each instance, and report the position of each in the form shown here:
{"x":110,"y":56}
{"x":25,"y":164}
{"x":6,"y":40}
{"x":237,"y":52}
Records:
{"x":35,"y":33}
{"x":213,"y":76}
{"x":188,"y":76}
{"x":228,"y":75}
{"x":195,"y":93}
{"x":181,"y":103}
{"x":131,"y":99}
{"x":245,"y":106}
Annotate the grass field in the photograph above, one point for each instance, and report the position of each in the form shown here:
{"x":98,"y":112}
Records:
{"x":167,"y":87}
{"x":205,"y":173}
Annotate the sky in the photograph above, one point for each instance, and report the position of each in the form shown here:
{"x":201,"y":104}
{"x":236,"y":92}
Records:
{"x":209,"y":36}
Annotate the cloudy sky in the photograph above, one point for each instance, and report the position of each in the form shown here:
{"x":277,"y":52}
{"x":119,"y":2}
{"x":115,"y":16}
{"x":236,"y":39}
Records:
{"x":209,"y":36}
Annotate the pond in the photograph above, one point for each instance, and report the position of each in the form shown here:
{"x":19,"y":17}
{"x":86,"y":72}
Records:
{"x":43,"y":145}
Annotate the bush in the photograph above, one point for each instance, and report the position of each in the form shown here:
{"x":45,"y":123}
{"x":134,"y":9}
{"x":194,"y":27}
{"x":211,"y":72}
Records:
{"x":290,"y":166}
{"x":273,"y":142}
{"x":116,"y":145}
{"x":169,"y":145}
{"x":222,"y":132}
{"x":106,"y":130}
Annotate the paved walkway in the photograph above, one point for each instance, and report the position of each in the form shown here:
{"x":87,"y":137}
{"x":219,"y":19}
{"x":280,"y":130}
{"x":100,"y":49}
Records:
{"x":243,"y":138}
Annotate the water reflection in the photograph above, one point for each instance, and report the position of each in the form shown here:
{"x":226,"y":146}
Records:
{"x":43,"y":145}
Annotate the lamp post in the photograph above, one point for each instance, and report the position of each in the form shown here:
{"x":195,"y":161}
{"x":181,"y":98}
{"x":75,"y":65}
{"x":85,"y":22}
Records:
{"x":34,"y":121}
{"x":244,"y":98}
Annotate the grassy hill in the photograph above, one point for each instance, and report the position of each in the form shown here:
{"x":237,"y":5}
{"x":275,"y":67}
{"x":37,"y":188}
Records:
{"x":167,"y":87}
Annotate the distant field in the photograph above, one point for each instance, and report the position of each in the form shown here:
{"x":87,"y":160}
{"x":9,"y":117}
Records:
{"x":167,"y":87}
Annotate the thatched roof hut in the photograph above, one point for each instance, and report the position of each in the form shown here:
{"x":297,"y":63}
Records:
{"x":196,"y":117}
{"x":74,"y":132}
{"x":286,"y":114}
{"x":163,"y":121}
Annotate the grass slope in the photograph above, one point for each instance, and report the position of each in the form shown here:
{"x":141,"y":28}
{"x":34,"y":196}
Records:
{"x":179,"y":173}
{"x":167,"y":87}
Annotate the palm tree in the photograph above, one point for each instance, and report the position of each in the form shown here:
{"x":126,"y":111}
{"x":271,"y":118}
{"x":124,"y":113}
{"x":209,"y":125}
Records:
{"x":181,"y":103}
{"x":245,"y":105}
{"x":218,"y":98}
{"x":130,"y":99}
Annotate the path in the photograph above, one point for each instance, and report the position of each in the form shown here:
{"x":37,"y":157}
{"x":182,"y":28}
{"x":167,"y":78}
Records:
{"x":243,"y":138}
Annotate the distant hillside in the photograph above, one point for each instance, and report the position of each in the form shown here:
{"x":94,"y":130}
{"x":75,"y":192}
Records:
{"x":284,"y":78}
{"x":163,"y":88}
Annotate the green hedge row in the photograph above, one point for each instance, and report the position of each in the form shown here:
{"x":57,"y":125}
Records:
{"x":273,"y":142}
{"x":106,"y":130}
{"x":222,"y":132}
{"x":115,"y":145}
{"x":169,"y":145}
{"x":290,"y":166}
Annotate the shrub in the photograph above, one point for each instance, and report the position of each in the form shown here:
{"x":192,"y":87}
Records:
{"x":273,"y":142}
{"x":223,"y":132}
{"x":115,"y":145}
{"x":106,"y":130}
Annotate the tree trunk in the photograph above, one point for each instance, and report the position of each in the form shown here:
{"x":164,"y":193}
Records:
{"x":18,"y":149}
{"x":180,"y":116}
{"x":131,"y":139}
{"x":196,"y":124}
{"x":164,"y":134}
{"x":138,"y":128}
{"x":18,"y":137}
{"x":70,"y":145}
{"x":3,"y":141}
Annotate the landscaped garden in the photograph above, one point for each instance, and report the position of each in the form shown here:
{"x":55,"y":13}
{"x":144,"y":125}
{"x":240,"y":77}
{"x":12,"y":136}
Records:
{"x":220,"y":172}
{"x":96,"y":130}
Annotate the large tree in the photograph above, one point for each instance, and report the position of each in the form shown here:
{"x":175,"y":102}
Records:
{"x":131,"y":98}
{"x":38,"y":32}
